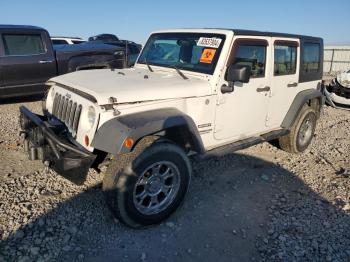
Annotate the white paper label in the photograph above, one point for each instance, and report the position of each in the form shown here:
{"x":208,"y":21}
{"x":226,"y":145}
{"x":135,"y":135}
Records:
{"x":209,"y":42}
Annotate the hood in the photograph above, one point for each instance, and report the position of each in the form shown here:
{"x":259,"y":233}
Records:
{"x":134,"y":85}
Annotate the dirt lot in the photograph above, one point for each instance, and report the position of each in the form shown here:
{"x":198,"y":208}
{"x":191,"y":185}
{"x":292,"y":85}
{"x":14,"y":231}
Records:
{"x":259,"y":204}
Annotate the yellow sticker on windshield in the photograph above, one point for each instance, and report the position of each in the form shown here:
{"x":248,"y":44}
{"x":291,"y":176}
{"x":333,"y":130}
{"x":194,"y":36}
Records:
{"x":207,"y":56}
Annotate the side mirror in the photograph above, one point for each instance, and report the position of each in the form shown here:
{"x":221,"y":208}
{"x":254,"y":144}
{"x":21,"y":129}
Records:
{"x":238,"y":73}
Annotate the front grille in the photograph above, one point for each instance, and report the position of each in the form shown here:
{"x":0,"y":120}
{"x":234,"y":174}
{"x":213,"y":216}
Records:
{"x":67,"y":111}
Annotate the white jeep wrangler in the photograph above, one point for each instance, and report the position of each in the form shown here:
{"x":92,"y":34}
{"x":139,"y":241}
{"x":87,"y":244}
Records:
{"x":192,"y":92}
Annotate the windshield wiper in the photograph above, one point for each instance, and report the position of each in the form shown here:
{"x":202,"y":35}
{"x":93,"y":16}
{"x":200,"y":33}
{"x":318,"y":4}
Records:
{"x":149,"y":67}
{"x":180,"y":73}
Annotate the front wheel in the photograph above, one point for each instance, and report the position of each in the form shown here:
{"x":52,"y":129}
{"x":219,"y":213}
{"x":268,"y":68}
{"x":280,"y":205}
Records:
{"x":148,"y":186}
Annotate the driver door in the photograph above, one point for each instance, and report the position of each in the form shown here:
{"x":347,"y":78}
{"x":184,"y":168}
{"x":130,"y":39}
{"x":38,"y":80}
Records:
{"x":242,"y":113}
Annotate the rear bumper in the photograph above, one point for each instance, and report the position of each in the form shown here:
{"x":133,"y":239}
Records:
{"x":48,"y":140}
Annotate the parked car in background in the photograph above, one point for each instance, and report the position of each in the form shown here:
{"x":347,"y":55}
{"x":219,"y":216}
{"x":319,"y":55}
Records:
{"x":63,"y":40}
{"x":28,"y":59}
{"x":104,"y":38}
{"x":132,"y":49}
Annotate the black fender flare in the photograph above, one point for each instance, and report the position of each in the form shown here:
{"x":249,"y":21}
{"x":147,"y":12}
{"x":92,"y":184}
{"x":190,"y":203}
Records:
{"x":111,"y":135}
{"x":299,"y":101}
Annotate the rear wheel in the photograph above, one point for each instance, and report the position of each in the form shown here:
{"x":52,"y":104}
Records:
{"x":149,"y":186}
{"x":302,"y":132}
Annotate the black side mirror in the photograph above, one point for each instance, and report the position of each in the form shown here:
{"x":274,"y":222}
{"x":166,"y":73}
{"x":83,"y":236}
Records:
{"x":238,"y":73}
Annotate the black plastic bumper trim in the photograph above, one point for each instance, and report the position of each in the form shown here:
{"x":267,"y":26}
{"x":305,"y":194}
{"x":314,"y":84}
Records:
{"x":51,"y":135}
{"x":66,"y":159}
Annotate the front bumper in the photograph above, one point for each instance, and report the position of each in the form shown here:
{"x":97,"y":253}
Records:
{"x":48,"y":140}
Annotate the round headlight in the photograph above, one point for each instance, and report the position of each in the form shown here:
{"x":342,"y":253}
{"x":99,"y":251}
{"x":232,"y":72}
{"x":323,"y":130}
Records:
{"x":91,"y":116}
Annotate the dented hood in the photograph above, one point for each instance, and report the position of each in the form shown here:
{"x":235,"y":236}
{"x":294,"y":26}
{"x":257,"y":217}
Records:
{"x":134,"y":85}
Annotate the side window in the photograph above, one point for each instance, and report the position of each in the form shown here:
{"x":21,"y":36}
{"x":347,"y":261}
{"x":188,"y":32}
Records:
{"x":17,"y":44}
{"x":311,"y":58}
{"x":59,"y":42}
{"x":253,"y":56}
{"x":285,"y":60}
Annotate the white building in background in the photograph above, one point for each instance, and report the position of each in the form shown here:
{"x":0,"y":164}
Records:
{"x":336,"y":58}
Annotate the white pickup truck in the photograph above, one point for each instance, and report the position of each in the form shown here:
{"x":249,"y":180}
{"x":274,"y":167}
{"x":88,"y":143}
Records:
{"x":192,"y":93}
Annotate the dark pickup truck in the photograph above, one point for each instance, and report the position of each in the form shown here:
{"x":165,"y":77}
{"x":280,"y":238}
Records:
{"x":28,"y":59}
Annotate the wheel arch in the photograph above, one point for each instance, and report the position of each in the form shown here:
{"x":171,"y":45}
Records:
{"x":310,"y":97}
{"x":168,"y":123}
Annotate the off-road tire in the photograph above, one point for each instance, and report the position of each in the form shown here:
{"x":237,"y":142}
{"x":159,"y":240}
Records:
{"x":290,"y":143}
{"x":124,"y":171}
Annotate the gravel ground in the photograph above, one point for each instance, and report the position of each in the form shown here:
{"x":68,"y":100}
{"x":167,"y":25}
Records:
{"x":258,"y":204}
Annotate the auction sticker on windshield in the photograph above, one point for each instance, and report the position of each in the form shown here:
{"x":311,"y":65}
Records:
{"x":207,"y":55}
{"x":209,"y":42}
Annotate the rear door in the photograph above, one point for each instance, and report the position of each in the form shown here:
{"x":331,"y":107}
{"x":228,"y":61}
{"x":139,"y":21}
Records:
{"x":284,"y":78}
{"x":27,"y":62}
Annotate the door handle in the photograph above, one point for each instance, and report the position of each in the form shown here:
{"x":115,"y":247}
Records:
{"x":263,"y":89}
{"x":45,"y":61}
{"x":292,"y":84}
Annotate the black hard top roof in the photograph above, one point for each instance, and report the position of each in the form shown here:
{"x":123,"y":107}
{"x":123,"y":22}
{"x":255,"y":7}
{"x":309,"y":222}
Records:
{"x":20,"y":27}
{"x":271,"y":34}
{"x":263,"y":33}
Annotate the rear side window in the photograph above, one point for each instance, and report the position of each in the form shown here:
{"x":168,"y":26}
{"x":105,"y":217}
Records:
{"x":285,"y":59}
{"x":253,"y":56}
{"x":311,"y":58}
{"x":23,"y":44}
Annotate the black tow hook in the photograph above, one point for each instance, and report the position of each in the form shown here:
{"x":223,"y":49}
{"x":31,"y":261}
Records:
{"x":23,"y":135}
{"x":36,"y":153}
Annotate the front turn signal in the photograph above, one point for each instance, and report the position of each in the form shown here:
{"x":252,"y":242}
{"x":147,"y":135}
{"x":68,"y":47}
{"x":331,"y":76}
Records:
{"x":128,"y":142}
{"x":86,"y":140}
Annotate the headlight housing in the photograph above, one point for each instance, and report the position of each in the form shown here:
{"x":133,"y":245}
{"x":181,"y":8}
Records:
{"x":91,"y":116}
{"x":344,"y":79}
{"x":45,"y":98}
{"x":344,"y":83}
{"x":52,"y":93}
{"x":43,"y":105}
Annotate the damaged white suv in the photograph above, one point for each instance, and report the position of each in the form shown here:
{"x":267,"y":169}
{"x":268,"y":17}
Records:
{"x":192,"y":93}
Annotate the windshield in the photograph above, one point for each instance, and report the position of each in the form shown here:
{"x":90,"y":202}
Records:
{"x":188,"y":51}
